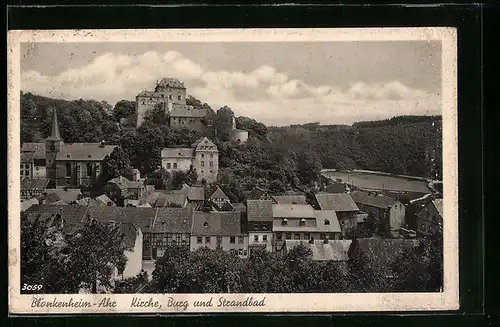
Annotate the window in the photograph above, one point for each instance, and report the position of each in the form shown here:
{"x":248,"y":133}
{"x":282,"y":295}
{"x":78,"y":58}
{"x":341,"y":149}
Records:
{"x":68,"y":170}
{"x":264,"y":238}
{"x":163,"y":95}
{"x":207,"y":239}
{"x":170,"y":97}
{"x":202,"y":163}
{"x":288,"y":236}
{"x":97,"y":169}
{"x":178,"y":237}
{"x":245,"y":252}
{"x":332,"y":236}
{"x":179,"y":97}
{"x":211,"y":155}
{"x":89,"y":169}
{"x":322,"y":236}
{"x":240,"y":239}
{"x":203,"y":155}
{"x":279,"y":236}
{"x":327,"y":222}
{"x":175,"y":165}
{"x":240,"y":252}
{"x":169,"y":165}
{"x":78,"y":167}
{"x":296,"y":236}
{"x":256,"y":238}
{"x":202,"y":172}
{"x":232,"y":239}
{"x":307,"y":236}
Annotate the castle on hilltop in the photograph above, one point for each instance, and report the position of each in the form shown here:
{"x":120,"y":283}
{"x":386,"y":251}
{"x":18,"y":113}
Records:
{"x":170,"y":94}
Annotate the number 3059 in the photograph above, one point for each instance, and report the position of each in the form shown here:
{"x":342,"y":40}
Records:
{"x":27,"y":287}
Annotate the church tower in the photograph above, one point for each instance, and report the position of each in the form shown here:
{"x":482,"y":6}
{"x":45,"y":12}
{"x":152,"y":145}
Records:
{"x":53,"y":145}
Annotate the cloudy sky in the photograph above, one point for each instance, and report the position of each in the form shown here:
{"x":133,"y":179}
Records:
{"x":275,"y":83}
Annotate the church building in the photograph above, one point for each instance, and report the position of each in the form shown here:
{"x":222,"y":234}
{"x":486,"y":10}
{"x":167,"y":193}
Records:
{"x":73,"y":164}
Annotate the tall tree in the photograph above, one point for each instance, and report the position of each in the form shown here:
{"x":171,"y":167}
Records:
{"x":116,"y":164}
{"x":95,"y":251}
{"x":124,"y":109}
{"x":224,"y":123}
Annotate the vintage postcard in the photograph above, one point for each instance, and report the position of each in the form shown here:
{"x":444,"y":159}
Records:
{"x":232,"y":170}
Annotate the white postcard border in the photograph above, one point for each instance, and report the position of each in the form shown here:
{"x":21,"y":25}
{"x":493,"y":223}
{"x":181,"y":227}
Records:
{"x":335,"y":302}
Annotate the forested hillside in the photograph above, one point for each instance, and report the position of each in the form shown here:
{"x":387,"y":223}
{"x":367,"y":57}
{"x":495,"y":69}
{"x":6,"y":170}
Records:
{"x":279,"y":158}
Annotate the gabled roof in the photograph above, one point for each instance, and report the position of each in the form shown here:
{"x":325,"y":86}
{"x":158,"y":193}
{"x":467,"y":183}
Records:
{"x":104,"y":199}
{"x":378,"y":201}
{"x":335,"y":250}
{"x":290,"y":199}
{"x":26,"y":204}
{"x":167,"y":198}
{"x":218,"y":194}
{"x":183,"y":110}
{"x":259,"y":210}
{"x":327,"y":221}
{"x":438,"y":203}
{"x":172,"y":220}
{"x":259,"y":193}
{"x":217,"y":223}
{"x":140,"y":217}
{"x":68,"y":195}
{"x":203,"y":142}
{"x":84,"y":152}
{"x":186,"y":153}
{"x":293,"y":211}
{"x":34,"y":184}
{"x":196,"y":194}
{"x":339,"y":202}
{"x":73,"y":215}
{"x":171,"y":82}
{"x":36,"y":149}
{"x":149,"y":94}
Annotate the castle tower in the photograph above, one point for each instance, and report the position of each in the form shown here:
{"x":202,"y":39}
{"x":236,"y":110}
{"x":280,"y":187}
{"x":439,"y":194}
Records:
{"x":53,"y":145}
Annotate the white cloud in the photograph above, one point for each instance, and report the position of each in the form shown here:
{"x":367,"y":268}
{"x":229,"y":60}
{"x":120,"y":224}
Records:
{"x":264,"y":93}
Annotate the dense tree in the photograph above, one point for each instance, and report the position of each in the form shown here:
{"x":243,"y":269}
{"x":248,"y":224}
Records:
{"x":95,"y":251}
{"x":133,"y":285}
{"x":224,"y":123}
{"x":421,"y":269}
{"x":158,"y":114}
{"x":114,"y":165}
{"x":124,"y":109}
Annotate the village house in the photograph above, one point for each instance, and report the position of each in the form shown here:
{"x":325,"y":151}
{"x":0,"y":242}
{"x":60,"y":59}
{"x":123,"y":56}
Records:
{"x":203,"y":156}
{"x":388,"y":212}
{"x":430,"y":218}
{"x":302,"y":222}
{"x":61,"y":196}
{"x":344,"y":207}
{"x":169,"y":227}
{"x":259,"y":193}
{"x":220,"y":230}
{"x":260,"y":224}
{"x":33,"y":160}
{"x":220,"y":201}
{"x":33,"y":187}
{"x":120,"y":189}
{"x":73,"y":164}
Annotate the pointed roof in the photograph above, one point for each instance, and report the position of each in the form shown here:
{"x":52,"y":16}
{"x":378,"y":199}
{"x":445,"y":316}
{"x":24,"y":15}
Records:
{"x":203,"y":141}
{"x":54,"y":135}
{"x":219,"y":194}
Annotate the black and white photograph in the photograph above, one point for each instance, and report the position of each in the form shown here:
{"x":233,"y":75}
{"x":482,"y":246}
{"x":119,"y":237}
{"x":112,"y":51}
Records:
{"x":236,"y":170}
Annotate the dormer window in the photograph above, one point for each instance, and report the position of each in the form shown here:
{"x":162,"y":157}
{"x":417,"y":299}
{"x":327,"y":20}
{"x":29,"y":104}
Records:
{"x":327,"y":222}
{"x":284,"y":222}
{"x":205,"y":224}
{"x":302,"y":222}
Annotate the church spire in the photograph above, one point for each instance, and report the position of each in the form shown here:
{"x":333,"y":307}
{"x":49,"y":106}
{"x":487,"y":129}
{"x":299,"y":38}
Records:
{"x":55,"y":135}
